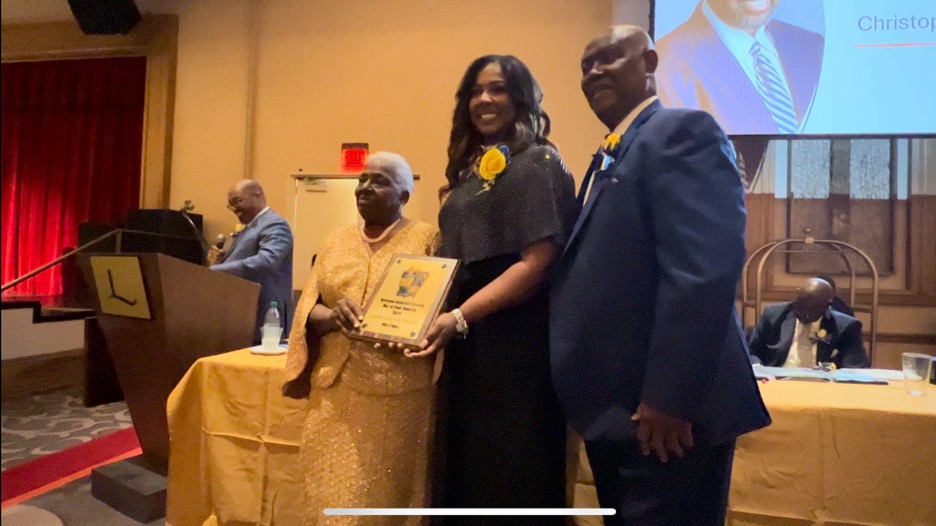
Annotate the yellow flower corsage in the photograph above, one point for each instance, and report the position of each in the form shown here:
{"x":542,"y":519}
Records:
{"x":493,"y":163}
{"x":611,"y":141}
{"x":822,"y":334}
{"x":238,"y":228}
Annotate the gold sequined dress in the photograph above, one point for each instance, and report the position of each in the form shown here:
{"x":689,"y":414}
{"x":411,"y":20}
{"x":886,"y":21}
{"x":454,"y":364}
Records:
{"x":372,"y":412}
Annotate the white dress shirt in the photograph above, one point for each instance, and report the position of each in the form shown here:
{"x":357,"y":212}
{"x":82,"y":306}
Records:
{"x":803,"y":349}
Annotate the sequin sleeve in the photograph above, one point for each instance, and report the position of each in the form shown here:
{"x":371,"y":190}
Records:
{"x":298,"y":369}
{"x":532,"y":200}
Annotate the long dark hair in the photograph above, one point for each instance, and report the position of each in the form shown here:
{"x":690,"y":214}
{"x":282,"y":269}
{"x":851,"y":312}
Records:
{"x":530,"y":127}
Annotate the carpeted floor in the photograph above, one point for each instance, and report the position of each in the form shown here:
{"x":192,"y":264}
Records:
{"x":32,"y":478}
{"x":69,"y":505}
{"x":38,"y":425}
{"x":47,"y":424}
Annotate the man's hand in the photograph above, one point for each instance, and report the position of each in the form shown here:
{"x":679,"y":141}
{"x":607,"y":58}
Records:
{"x":214,"y":254}
{"x":661,"y":433}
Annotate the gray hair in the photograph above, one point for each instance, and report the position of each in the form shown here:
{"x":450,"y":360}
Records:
{"x":401,"y":170}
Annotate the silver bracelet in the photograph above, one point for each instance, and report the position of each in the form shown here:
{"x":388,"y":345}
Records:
{"x":461,"y":326}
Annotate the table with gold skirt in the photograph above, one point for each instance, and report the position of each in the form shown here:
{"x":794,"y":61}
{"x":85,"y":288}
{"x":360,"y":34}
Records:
{"x":835,"y":454}
{"x":234,"y":444}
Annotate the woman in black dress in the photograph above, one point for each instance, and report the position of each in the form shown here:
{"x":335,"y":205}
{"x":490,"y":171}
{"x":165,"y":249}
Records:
{"x":508,"y":208}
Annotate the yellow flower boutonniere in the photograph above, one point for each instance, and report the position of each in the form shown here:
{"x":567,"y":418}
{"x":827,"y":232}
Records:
{"x":822,"y":336}
{"x":493,"y":163}
{"x":238,"y":228}
{"x":611,"y":142}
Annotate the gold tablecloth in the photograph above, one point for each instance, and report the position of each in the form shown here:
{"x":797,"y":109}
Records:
{"x":234,"y":443}
{"x":838,"y":454}
{"x":835,"y":454}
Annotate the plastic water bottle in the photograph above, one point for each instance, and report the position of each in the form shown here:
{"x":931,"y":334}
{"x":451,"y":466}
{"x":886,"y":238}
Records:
{"x":272,"y":329}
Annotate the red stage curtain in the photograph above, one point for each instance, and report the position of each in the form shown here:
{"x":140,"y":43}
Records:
{"x":72,"y":148}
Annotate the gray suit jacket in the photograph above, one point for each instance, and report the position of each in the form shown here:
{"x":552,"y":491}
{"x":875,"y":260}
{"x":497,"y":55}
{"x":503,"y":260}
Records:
{"x":263,"y":253}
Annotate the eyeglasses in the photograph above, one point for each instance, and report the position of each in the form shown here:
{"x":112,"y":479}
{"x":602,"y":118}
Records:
{"x":234,"y":203}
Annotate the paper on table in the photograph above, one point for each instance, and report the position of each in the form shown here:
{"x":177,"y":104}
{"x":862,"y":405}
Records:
{"x":850,"y":376}
{"x":883,"y":374}
{"x":795,"y":373}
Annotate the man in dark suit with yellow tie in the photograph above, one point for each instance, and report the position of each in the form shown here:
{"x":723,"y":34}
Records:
{"x":648,"y":357}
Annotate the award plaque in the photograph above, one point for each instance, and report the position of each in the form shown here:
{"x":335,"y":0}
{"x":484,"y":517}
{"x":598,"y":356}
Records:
{"x":407,"y":299}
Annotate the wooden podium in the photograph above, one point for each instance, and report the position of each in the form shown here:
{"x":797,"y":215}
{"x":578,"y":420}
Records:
{"x":159,"y":315}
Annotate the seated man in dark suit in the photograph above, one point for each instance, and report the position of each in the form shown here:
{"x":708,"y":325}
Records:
{"x":807,"y":331}
{"x":837,"y":302}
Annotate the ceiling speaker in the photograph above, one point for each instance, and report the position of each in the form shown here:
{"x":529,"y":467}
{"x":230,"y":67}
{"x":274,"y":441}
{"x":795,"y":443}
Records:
{"x":105,"y":17}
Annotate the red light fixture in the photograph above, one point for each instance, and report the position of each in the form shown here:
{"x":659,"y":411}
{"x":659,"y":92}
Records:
{"x":354,"y":156}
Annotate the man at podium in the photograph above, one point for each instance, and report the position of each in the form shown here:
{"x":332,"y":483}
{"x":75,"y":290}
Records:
{"x":262,"y":251}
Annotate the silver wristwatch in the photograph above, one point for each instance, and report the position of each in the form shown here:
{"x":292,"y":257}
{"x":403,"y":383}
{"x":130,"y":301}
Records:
{"x":461,"y":326}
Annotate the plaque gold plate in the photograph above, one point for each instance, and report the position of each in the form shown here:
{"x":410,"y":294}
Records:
{"x":407,"y":299}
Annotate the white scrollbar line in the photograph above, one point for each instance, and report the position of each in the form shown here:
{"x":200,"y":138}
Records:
{"x":469,"y":511}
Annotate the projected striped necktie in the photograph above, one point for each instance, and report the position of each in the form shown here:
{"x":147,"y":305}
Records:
{"x":773,"y":89}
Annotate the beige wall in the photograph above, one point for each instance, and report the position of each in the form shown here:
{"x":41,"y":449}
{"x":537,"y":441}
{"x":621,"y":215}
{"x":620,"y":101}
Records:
{"x":266,"y":89}
{"x":22,"y":337}
{"x":208,"y":153}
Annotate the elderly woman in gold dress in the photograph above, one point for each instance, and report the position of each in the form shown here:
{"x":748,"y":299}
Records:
{"x":371,"y":410}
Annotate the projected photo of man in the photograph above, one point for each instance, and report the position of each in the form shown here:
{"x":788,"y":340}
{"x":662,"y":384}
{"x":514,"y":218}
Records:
{"x":756,"y":75}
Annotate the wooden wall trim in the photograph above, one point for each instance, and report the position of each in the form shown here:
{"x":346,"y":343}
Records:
{"x":922,"y":234}
{"x":766,"y":224}
{"x":891,"y":298}
{"x":914,"y":339}
{"x":156,"y":38}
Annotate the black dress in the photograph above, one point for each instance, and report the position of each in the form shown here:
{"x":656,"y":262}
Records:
{"x":504,"y":444}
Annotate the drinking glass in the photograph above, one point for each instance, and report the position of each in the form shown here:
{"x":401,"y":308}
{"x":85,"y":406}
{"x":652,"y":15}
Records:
{"x":271,"y":338}
{"x":916,"y":369}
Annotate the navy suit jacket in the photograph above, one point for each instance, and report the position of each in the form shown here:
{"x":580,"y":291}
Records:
{"x":263,"y":253}
{"x":841,"y":343}
{"x":697,"y":70}
{"x":642,"y":304}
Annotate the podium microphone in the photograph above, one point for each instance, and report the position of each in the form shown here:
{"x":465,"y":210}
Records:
{"x":202,"y":242}
{"x":219,"y":243}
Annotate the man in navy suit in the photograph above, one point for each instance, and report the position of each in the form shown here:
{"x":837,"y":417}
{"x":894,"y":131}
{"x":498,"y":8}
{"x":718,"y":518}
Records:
{"x":647,"y":352}
{"x":707,"y":63}
{"x":808,"y":331}
{"x":262,"y":252}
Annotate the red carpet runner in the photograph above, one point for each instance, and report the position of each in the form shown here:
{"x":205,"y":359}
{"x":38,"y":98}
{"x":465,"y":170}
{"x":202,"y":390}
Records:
{"x":64,"y":465}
